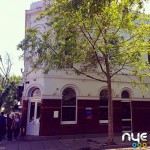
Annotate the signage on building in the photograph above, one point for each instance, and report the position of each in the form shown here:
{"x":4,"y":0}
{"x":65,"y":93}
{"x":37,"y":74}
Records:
{"x":88,"y":113}
{"x":138,"y":139}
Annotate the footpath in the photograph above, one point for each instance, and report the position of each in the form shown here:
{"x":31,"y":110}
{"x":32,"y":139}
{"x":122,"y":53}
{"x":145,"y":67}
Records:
{"x":72,"y":142}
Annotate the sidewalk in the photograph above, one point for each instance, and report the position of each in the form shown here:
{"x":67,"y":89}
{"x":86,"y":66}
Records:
{"x":78,"y":142}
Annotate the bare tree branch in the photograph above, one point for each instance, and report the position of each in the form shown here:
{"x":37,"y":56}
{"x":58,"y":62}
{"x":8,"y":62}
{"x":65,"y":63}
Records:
{"x":119,"y":69}
{"x":5,"y":69}
{"x":97,"y":58}
{"x":87,"y":37}
{"x":80,"y":72}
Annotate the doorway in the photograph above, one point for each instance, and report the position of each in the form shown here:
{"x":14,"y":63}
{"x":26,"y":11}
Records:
{"x":33,"y":120}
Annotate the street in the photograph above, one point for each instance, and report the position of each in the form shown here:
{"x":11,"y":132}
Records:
{"x":61,"y":143}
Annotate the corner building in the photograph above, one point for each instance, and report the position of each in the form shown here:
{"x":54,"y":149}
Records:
{"x":61,"y":104}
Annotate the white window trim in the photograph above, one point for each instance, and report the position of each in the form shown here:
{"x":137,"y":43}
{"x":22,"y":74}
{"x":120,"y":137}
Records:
{"x":70,"y":122}
{"x":127,"y":131}
{"x":103,"y":106}
{"x":103,"y":121}
{"x":126,"y":119}
{"x":130,"y":119}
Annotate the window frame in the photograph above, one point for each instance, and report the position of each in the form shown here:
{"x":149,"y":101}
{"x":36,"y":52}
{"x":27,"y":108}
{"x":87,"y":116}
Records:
{"x":66,"y":106}
{"x":34,"y":91}
{"x":102,"y":121}
{"x":126,"y":120}
{"x":125,"y":95}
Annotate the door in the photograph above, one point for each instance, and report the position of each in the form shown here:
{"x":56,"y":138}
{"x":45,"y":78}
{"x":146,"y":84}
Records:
{"x":33,"y":122}
{"x":126,"y":117}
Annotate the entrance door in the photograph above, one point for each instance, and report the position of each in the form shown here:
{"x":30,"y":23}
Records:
{"x":126,"y":117}
{"x":33,"y":122}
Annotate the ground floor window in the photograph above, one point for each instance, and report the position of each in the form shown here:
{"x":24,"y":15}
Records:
{"x":126,"y":116}
{"x":126,"y":112}
{"x":68,"y":107}
{"x":103,"y":106}
{"x":68,"y":114}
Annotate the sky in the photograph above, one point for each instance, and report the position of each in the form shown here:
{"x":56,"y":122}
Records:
{"x":12,"y":29}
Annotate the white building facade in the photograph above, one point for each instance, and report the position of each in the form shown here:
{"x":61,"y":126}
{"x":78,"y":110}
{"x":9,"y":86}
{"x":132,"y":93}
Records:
{"x":59,"y":103}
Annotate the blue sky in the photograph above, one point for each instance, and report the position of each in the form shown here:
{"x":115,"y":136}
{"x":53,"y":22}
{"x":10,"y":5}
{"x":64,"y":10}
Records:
{"x":12,"y":28}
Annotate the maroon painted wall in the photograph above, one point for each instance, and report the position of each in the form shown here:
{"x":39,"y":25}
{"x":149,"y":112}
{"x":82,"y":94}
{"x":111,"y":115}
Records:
{"x":20,"y":92}
{"x":48,"y":124}
{"x":140,"y":116}
{"x":117,"y":116}
{"x":53,"y":126}
{"x":87,"y":126}
{"x":24,"y":117}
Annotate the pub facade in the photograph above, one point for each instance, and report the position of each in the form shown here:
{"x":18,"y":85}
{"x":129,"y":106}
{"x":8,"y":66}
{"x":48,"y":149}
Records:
{"x":60,"y":104}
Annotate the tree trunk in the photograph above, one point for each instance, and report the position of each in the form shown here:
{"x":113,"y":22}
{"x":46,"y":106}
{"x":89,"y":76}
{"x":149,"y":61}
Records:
{"x":110,"y":114}
{"x":110,"y":104}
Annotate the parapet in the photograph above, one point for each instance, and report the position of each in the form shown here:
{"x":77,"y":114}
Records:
{"x":36,"y":5}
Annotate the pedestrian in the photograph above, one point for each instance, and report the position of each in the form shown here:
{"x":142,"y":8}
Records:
{"x":2,"y":126}
{"x":16,"y":125}
{"x":9,"y":123}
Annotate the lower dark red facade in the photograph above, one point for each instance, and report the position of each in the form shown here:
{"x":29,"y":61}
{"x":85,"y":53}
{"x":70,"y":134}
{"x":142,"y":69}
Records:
{"x":52,"y":126}
{"x":24,"y":117}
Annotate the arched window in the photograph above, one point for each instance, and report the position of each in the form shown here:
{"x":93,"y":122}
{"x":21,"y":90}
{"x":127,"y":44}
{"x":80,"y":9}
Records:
{"x":68,"y":106}
{"x":126,"y":111}
{"x":125,"y":94}
{"x":36,"y":93}
{"x":104,"y":106}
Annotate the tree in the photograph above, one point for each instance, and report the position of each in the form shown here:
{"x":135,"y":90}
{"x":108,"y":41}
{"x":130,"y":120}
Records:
{"x":112,"y":39}
{"x":8,"y":85}
{"x":10,"y":100}
{"x":5,"y":85}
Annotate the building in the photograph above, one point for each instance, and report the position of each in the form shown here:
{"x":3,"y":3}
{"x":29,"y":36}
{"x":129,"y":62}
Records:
{"x":58,"y":103}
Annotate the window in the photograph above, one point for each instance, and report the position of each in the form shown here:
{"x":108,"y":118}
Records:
{"x":38,"y":110}
{"x":125,"y":94}
{"x":126,"y":116}
{"x":32,"y":108}
{"x":126,"y":112}
{"x":36,"y":93}
{"x":104,"y":106}
{"x":68,"y":106}
{"x":34,"y":113}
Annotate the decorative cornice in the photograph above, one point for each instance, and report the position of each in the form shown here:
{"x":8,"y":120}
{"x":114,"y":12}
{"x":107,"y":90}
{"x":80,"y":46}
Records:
{"x":51,"y":97}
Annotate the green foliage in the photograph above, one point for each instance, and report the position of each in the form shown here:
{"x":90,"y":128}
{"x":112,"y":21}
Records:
{"x":115,"y":33}
{"x":9,"y":93}
{"x":111,"y":36}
